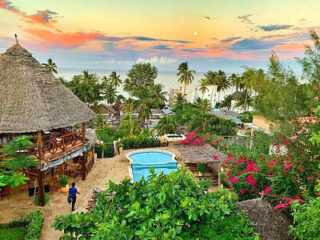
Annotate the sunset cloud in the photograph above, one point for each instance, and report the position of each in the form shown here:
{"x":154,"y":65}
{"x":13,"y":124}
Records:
{"x":270,"y":28}
{"x":42,"y":17}
{"x":157,"y":60}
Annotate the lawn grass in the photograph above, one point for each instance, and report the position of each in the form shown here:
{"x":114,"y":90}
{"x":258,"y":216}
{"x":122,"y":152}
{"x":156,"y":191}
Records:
{"x":17,"y":233}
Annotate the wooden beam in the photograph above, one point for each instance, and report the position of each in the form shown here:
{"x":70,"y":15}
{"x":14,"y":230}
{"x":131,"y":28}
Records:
{"x":83,"y":132}
{"x":39,"y":173}
{"x":84,"y":165}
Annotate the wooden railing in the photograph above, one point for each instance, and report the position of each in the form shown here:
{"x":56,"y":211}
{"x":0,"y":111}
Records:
{"x":56,"y":143}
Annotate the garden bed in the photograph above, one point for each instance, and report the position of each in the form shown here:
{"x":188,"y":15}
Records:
{"x":12,"y":233}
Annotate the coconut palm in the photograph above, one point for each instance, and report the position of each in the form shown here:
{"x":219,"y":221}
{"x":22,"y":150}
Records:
{"x":185,"y":76}
{"x":144,"y":103}
{"x":115,"y":79}
{"x":203,"y":87}
{"x":51,"y":66}
{"x":179,"y":99}
{"x":129,"y":106}
{"x":110,"y":93}
{"x":236,"y":81}
{"x":223,"y":83}
{"x":211,"y":79}
{"x":245,"y":100}
{"x":130,"y":126}
{"x":227,"y":102}
{"x":100,"y":121}
{"x":159,"y":96}
{"x":167,"y":124}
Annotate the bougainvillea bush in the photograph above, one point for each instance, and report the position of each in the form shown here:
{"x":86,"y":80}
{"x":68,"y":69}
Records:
{"x":282,"y":176}
{"x":162,"y":207}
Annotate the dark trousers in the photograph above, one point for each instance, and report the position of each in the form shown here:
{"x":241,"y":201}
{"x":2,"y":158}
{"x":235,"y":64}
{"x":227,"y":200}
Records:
{"x":73,"y":201}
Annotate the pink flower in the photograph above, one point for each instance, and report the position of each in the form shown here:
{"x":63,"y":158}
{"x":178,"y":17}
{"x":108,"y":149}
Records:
{"x":309,"y":179}
{"x":204,"y":124}
{"x":293,"y":138}
{"x":267,"y":190}
{"x":316,"y":98}
{"x":234,"y":180}
{"x":275,"y":144}
{"x":215,"y":157}
{"x":299,"y":132}
{"x":250,"y":168}
{"x":242,"y":191}
{"x":287,"y":167}
{"x":251,"y":180}
{"x":229,"y":175}
{"x":230,"y":156}
{"x":285,"y":141}
{"x":282,"y":205}
{"x":241,"y":160}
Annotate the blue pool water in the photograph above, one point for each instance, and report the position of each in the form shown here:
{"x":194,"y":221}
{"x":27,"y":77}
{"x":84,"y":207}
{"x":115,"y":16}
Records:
{"x":142,"y":162}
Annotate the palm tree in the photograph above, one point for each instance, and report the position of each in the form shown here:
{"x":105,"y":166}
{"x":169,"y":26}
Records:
{"x":223,"y":82}
{"x":185,"y":75}
{"x":236,"y":81}
{"x":144,"y":103}
{"x":179,"y":99}
{"x":130,"y":126}
{"x":50,"y":66}
{"x":110,"y":93}
{"x":167,"y":124}
{"x":205,"y":106}
{"x":159,"y":96}
{"x":227,"y":102}
{"x":100,"y":122}
{"x":245,"y":100}
{"x":212,"y":79}
{"x":129,"y":106}
{"x":203,"y":87}
{"x":115,"y":79}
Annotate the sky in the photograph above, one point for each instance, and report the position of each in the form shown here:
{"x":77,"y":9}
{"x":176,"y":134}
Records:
{"x":113,"y":35}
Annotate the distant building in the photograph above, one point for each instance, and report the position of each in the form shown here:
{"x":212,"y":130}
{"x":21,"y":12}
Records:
{"x":173,"y":95}
{"x":107,"y":111}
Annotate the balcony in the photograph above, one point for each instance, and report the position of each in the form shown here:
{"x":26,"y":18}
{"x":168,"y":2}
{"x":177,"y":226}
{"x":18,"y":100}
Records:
{"x":57,"y":144}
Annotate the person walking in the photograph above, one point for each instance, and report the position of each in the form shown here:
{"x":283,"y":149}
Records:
{"x":73,"y":191}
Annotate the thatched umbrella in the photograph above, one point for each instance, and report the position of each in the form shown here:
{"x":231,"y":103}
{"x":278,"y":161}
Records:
{"x":32,"y":99}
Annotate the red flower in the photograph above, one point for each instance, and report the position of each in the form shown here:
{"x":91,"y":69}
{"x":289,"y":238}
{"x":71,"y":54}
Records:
{"x":251,"y":180}
{"x":241,"y":160}
{"x":242,"y":191}
{"x":230,"y":156}
{"x":215,"y":157}
{"x":285,"y":141}
{"x":309,"y":179}
{"x":267,"y":190}
{"x":275,"y":144}
{"x":287,"y":167}
{"x":234,"y":180}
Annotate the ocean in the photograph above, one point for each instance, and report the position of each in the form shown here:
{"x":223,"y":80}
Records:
{"x":167,"y":79}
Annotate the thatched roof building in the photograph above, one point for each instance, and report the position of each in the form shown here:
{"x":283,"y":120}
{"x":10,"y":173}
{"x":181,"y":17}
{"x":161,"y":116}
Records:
{"x":32,"y":99}
{"x":269,"y":224}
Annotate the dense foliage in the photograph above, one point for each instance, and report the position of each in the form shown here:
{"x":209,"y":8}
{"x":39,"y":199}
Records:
{"x":139,"y":141}
{"x":167,"y":124}
{"x":46,"y":199}
{"x":162,"y":207}
{"x":35,"y":223}
{"x":13,"y":160}
{"x":305,"y":218}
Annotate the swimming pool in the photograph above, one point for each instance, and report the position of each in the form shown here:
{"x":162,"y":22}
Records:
{"x":142,"y":161}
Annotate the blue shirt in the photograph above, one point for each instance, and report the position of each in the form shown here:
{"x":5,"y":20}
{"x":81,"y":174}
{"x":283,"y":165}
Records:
{"x":73,"y":191}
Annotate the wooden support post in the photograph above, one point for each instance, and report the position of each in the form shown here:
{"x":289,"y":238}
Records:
{"x":83,"y":132}
{"x":40,"y":174}
{"x":84,"y":165}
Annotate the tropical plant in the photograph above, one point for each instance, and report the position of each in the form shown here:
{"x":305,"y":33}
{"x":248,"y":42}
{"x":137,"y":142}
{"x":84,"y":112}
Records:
{"x":185,"y":75}
{"x":35,"y":223}
{"x":222,"y":82}
{"x":51,"y":66}
{"x":14,"y":158}
{"x":159,"y":96}
{"x":236,"y":81}
{"x":141,"y":74}
{"x":245,"y":100}
{"x":64,"y":180}
{"x":227,"y":102}
{"x":202,"y":168}
{"x":100,"y":121}
{"x":46,"y":199}
{"x":179,"y":99}
{"x":115,"y":80}
{"x":211,"y":79}
{"x":203,"y":87}
{"x":144,"y":103}
{"x":167,"y":124}
{"x":130,"y":126}
{"x":163,"y":206}
{"x":129,"y":106}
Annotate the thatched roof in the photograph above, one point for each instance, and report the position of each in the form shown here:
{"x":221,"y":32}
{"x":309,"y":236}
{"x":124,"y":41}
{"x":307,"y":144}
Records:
{"x":200,"y":154}
{"x":270,"y":224}
{"x":32,"y":99}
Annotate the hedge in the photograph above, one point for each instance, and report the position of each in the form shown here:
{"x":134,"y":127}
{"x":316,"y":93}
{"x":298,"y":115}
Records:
{"x":108,"y":150}
{"x":140,"y":141}
{"x":35,"y":223}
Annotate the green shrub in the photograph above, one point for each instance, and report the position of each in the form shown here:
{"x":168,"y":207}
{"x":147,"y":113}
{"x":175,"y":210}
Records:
{"x":46,"y":199}
{"x":64,"y":180}
{"x":202,"y":167}
{"x":140,"y":141}
{"x":17,"y":223}
{"x":172,"y":206}
{"x":107,"y":148}
{"x":246,"y":117}
{"x":35,"y":223}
